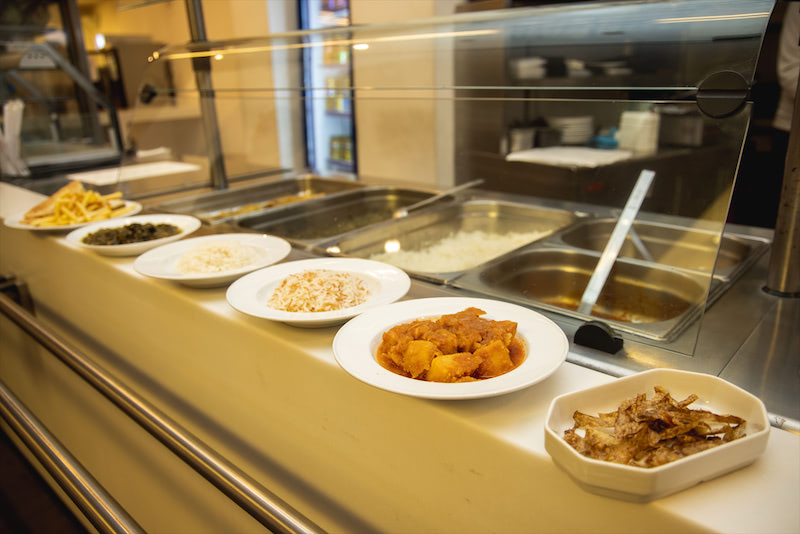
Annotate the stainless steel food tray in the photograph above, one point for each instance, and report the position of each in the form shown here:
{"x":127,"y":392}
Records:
{"x":230,"y":205}
{"x":672,"y":245}
{"x":656,"y":297}
{"x":308,"y":223}
{"x":647,"y":300}
{"x":421,"y":243}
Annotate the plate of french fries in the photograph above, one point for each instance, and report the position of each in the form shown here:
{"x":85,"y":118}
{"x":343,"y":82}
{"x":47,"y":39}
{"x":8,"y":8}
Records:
{"x":71,"y":207}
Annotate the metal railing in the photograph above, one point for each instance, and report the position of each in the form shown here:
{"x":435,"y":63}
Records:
{"x":100,"y":508}
{"x":263,"y":505}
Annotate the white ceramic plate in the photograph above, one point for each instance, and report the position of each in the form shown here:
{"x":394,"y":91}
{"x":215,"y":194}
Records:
{"x":15,"y":221}
{"x":161,"y":262}
{"x":186,"y":223}
{"x":250,"y":293}
{"x":640,"y":484}
{"x":356,"y":344}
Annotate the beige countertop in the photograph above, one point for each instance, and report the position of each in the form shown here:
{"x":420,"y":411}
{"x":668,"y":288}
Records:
{"x":272,"y":399}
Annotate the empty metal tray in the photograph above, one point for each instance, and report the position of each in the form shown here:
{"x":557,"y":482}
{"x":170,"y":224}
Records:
{"x":309,"y":222}
{"x":648,"y":301}
{"x":231,"y":204}
{"x":681,"y":247}
{"x":440,"y":243}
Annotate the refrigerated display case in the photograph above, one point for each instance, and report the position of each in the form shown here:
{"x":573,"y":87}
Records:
{"x":329,"y":121}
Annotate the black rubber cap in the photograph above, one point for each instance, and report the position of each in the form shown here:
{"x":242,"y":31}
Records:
{"x":598,"y":335}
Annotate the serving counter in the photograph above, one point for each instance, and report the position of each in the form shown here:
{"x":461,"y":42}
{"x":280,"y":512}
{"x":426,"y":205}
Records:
{"x":194,"y":417}
{"x":272,"y":401}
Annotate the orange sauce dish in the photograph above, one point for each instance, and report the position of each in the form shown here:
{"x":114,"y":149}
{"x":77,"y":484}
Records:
{"x":461,"y":347}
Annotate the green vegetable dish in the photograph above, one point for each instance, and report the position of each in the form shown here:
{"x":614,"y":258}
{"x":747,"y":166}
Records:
{"x":130,"y":233}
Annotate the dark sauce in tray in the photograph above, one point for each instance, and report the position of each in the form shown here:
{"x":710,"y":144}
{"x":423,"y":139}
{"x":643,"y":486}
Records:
{"x":130,"y":233}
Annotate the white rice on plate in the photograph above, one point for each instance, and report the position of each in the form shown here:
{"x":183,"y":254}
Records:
{"x":319,"y":290}
{"x":216,"y":257}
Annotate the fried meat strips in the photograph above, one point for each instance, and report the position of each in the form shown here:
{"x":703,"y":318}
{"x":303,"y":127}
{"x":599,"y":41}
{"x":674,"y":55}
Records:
{"x":649,"y":433}
{"x":461,"y":347}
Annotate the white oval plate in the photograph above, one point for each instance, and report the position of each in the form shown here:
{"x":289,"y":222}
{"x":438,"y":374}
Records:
{"x":356,"y":345}
{"x":186,"y":223}
{"x":15,"y":221}
{"x":250,"y":293}
{"x":160,"y":262}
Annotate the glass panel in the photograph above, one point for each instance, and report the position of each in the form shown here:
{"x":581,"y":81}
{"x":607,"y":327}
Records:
{"x":329,"y":124}
{"x":559,"y":108}
{"x":63,"y":122}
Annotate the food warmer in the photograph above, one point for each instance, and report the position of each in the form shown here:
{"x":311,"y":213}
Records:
{"x":604,"y":92}
{"x":562,"y":111}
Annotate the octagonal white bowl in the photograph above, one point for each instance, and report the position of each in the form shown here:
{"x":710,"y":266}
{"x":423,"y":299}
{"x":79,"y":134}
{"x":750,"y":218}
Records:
{"x":642,"y":484}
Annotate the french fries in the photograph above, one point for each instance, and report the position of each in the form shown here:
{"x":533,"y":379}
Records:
{"x":75,"y":205}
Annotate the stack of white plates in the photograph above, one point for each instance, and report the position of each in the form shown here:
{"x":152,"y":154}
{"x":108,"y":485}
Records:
{"x":574,"y":130}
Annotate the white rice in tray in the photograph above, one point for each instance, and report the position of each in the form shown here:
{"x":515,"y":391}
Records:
{"x":216,"y":257}
{"x":319,"y":290}
{"x":458,"y":251}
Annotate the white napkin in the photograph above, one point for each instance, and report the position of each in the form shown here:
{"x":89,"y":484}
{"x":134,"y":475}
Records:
{"x":10,"y":161}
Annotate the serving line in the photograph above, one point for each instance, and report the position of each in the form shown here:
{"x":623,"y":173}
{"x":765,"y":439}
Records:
{"x":273,"y":399}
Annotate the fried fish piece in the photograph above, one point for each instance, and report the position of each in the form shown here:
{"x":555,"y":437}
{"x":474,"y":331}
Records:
{"x":649,"y":433}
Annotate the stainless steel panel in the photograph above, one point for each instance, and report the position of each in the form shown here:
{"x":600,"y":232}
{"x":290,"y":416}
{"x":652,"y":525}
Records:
{"x":307,"y":223}
{"x":676,"y":246}
{"x":648,"y":301}
{"x":231,"y":204}
{"x":768,"y":365}
{"x":258,"y":501}
{"x":421,"y":232}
